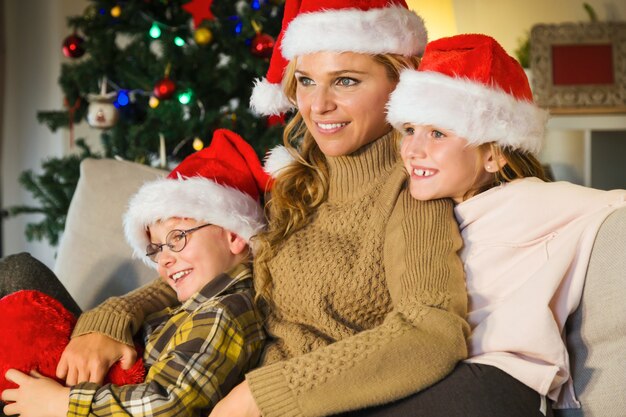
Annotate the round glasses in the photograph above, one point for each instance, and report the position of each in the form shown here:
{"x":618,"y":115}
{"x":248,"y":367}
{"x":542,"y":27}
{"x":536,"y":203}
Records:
{"x":176,"y":240}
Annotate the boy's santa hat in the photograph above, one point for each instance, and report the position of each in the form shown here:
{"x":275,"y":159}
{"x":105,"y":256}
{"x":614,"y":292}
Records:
{"x":469,"y":84}
{"x":363,"y":26}
{"x":221,"y":184}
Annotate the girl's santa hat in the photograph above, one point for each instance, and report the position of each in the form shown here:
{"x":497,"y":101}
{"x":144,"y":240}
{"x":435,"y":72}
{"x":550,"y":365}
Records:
{"x":363,"y":26}
{"x":221,"y":184}
{"x":469,"y":84}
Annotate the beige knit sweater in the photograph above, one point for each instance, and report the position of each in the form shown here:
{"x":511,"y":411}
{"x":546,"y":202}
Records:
{"x":369,"y":297}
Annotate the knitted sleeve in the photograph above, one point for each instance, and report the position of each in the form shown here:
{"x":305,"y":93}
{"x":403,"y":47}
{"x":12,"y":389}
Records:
{"x":419,"y":342}
{"x":121,"y":317}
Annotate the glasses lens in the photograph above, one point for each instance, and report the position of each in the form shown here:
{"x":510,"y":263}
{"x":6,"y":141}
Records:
{"x":152,"y":250}
{"x":176,"y":240}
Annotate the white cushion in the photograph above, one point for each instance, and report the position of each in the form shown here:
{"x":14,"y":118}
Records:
{"x":94,"y":261}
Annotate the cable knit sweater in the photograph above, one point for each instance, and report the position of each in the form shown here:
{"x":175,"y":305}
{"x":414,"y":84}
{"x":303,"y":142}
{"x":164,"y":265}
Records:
{"x":369,"y":297}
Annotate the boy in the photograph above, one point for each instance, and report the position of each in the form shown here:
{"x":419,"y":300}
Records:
{"x":194,"y":226}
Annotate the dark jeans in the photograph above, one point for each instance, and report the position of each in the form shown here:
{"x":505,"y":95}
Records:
{"x":23,"y":272}
{"x":471,"y":390}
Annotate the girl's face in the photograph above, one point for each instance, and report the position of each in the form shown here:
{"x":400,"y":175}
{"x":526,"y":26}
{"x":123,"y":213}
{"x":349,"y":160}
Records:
{"x":209,"y":252}
{"x":441,"y":164}
{"x":342,"y":97}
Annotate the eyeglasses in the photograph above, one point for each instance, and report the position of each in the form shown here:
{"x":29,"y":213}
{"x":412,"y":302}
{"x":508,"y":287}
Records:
{"x":176,"y":240}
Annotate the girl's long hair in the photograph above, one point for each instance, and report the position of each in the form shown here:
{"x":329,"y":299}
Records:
{"x":301,"y":187}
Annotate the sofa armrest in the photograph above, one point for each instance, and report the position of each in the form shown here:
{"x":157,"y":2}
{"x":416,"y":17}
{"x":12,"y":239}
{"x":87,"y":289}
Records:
{"x":94,"y":261}
{"x":596,"y":332}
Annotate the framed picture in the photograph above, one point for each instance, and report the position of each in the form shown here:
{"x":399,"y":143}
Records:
{"x":579,"y":65}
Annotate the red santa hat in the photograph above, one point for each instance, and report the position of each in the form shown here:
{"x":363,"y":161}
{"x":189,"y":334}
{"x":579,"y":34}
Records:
{"x":470,"y":85}
{"x":221,"y":184}
{"x":309,"y":26}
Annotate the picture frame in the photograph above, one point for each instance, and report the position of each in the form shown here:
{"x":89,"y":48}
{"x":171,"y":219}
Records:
{"x":579,"y":65}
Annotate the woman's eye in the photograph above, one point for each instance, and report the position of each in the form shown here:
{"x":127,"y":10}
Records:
{"x":408,"y":131}
{"x":304,"y":81}
{"x":437,"y":134}
{"x":347,"y":82}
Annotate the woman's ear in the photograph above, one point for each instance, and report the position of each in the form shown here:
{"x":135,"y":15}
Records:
{"x":236,"y":243}
{"x":492,"y":161}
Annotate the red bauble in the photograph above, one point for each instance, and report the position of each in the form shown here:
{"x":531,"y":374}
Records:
{"x":262,"y":45}
{"x":164,"y":89}
{"x":73,"y":46}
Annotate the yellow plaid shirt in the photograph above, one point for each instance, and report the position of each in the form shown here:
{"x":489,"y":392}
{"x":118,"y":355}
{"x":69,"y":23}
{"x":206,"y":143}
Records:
{"x":195,"y":354}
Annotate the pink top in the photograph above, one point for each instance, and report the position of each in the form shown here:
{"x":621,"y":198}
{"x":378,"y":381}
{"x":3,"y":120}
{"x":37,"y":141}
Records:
{"x":527,"y":247}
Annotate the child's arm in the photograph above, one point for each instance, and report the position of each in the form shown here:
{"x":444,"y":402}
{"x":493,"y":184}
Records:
{"x":206,"y":355}
{"x":36,"y":396}
{"x":89,"y":355}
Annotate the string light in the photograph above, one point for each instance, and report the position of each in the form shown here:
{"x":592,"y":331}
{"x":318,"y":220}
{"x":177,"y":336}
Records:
{"x":178,"y":41}
{"x":153,"y":102}
{"x":185,"y":97}
{"x":256,"y":5}
{"x":122,"y":99}
{"x":116,"y":11}
{"x":155,"y":31}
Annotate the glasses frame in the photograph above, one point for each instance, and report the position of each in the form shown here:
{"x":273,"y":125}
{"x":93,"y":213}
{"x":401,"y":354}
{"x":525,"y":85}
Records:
{"x":153,"y":249}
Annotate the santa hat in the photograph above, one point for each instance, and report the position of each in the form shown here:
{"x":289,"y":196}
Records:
{"x":468,"y":84}
{"x":309,"y":26}
{"x":221,"y":184}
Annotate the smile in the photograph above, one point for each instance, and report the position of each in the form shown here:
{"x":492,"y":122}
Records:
{"x":180,"y":274}
{"x":330,"y":126}
{"x":423,"y":172}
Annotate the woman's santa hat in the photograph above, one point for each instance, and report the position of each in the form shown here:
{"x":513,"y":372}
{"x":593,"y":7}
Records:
{"x":221,"y":184}
{"x":469,"y":84}
{"x":363,"y":26}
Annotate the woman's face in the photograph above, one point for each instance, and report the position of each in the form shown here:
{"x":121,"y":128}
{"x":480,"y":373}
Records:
{"x":441,"y":164}
{"x":342,"y":98}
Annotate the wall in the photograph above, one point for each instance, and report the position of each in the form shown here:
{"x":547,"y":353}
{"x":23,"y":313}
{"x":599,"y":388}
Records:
{"x":34,"y":31}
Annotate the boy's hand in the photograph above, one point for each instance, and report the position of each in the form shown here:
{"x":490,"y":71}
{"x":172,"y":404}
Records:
{"x":89,"y":357}
{"x":238,"y":403}
{"x":36,"y":396}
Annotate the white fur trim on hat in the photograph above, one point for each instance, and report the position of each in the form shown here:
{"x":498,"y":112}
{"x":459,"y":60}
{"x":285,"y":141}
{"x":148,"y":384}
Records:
{"x":472,"y":110}
{"x":197,"y":198}
{"x":392,"y":29}
{"x":268,"y":99}
{"x":276,"y":159}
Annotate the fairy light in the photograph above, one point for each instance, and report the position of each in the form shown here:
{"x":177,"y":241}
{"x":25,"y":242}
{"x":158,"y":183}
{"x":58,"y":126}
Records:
{"x":155,"y":31}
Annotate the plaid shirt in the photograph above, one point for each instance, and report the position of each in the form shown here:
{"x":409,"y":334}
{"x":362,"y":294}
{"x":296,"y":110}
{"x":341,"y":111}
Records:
{"x":195,"y":354}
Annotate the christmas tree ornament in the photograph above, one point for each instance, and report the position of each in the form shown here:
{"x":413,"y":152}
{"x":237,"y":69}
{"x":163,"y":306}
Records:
{"x":262,"y":44}
{"x":73,"y":46}
{"x":200,"y":10}
{"x":102,"y":113}
{"x":165,"y":87}
{"x":116,"y":11}
{"x":203,"y":36}
{"x":197,"y":144}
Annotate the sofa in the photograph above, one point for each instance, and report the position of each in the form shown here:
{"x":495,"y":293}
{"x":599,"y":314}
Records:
{"x":94,"y":263}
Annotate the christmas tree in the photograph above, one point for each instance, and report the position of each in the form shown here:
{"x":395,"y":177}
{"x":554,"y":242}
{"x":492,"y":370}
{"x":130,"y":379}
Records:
{"x":157,"y":77}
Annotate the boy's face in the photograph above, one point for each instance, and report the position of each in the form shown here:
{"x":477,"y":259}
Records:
{"x":209,"y":252}
{"x":440,"y":163}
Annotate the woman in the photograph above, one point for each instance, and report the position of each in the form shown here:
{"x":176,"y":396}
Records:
{"x":363,"y":287}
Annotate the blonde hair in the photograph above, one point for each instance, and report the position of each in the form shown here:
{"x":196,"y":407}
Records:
{"x":519,"y":164}
{"x":301,"y":187}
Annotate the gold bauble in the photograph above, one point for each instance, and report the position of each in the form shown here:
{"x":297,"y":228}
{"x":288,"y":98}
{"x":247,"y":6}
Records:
{"x":203,"y":36}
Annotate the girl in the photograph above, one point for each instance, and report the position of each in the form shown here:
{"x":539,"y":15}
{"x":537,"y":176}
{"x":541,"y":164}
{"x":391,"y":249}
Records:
{"x":471,"y":133}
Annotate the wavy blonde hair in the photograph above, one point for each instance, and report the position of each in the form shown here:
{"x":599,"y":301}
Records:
{"x":301,"y":187}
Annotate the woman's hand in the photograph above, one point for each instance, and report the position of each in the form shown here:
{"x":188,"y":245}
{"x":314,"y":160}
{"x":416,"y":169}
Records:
{"x":89,"y":357}
{"x":238,"y":403}
{"x":36,"y":396}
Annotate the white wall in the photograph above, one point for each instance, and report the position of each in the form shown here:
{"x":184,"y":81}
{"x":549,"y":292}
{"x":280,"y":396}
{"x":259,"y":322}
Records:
{"x":34,"y":31}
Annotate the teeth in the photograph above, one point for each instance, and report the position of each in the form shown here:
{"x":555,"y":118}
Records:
{"x":328,"y":126}
{"x":423,"y":172}
{"x":179,"y":275}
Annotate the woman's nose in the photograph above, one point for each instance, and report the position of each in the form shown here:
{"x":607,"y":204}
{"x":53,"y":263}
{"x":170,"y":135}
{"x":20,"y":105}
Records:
{"x":412,"y":146}
{"x":322,"y":100}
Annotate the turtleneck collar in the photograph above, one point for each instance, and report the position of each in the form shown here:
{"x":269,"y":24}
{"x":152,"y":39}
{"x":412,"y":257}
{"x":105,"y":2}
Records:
{"x":351,"y":175}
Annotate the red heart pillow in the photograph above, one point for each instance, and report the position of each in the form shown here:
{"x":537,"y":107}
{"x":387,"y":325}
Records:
{"x":34,"y":330}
